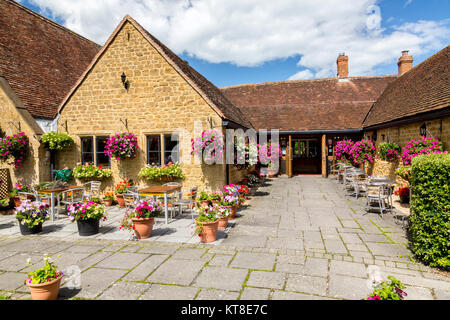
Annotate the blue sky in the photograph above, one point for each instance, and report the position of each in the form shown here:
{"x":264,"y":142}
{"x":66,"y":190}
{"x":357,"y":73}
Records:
{"x":236,"y":43}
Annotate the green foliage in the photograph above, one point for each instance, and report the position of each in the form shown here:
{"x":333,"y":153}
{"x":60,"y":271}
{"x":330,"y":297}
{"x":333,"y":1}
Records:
{"x":430,"y":209}
{"x":47,"y":273}
{"x":388,"y":290}
{"x":90,"y":171}
{"x":404,"y":172}
{"x":165,"y":172}
{"x":5,"y":202}
{"x":56,"y":140}
{"x":388,"y":151}
{"x":204,"y":196}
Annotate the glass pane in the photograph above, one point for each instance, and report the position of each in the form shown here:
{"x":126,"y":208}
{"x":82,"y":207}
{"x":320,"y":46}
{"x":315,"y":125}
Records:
{"x":102,"y":159}
{"x":153,"y":150}
{"x":87,"y":147}
{"x":171,"y":151}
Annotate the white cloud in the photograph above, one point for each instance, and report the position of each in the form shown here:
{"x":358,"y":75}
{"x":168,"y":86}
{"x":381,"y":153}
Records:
{"x":251,"y":32}
{"x":407,"y":3}
{"x":304,"y":74}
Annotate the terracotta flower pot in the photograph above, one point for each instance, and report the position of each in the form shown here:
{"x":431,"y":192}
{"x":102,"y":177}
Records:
{"x":209,"y":231}
{"x":17,"y":202}
{"x":223,"y":223}
{"x":108,"y":202}
{"x":143,"y":227}
{"x":45,"y":291}
{"x":120,"y":200}
{"x":404,"y":199}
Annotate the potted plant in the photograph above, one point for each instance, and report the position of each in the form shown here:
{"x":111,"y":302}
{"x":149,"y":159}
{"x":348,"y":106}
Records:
{"x":215,"y":197}
{"x":403,"y":194}
{"x":142,"y":218}
{"x":108,"y":198}
{"x":44,"y":282}
{"x":207,"y":223}
{"x":89,"y":171}
{"x":203,"y":199}
{"x":18,"y":187}
{"x":96,"y":200}
{"x":122,"y":145}
{"x":230,"y":201}
{"x":224,"y":213}
{"x":88,"y":215}
{"x":388,"y":151}
{"x":56,"y":140}
{"x":169,"y":172}
{"x":388,"y":290}
{"x":31,"y":216}
{"x":120,"y":189}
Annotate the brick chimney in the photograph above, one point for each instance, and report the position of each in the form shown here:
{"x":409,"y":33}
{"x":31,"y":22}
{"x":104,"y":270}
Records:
{"x":405,"y":63}
{"x":342,"y":66}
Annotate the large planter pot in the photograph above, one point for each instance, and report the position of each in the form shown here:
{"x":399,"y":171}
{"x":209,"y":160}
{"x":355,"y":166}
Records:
{"x":120,"y":200}
{"x":404,"y":199}
{"x":209,"y":231}
{"x":143,"y":227}
{"x":17,"y":202}
{"x":88,"y":227}
{"x":24,"y":230}
{"x":223,"y":223}
{"x":108,"y":202}
{"x":45,"y":291}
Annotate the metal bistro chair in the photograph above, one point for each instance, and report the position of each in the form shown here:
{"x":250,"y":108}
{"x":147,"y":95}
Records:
{"x":92,"y":189}
{"x":189,"y":202}
{"x":35,"y":194}
{"x":335,"y":169}
{"x":131,"y":199}
{"x":359,"y":184}
{"x":71,"y":196}
{"x":377,"y":193}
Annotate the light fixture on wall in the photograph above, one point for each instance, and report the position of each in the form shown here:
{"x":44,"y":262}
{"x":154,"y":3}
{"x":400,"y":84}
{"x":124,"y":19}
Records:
{"x":125,"y":82}
{"x":423,"y":130}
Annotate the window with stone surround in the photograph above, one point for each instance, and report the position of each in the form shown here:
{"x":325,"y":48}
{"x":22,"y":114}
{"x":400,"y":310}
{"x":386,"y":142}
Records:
{"x":162,"y":148}
{"x":154,"y":149}
{"x":93,"y":151}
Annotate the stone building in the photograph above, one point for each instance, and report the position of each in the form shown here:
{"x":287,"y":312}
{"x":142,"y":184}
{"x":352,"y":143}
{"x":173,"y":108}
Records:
{"x":136,"y":84}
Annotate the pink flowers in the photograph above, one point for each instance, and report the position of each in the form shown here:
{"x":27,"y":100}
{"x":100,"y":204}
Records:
{"x":342,"y":149}
{"x":122,"y":145}
{"x":14,"y":147}
{"x":210,"y":145}
{"x":416,"y":148}
{"x":357,"y":152}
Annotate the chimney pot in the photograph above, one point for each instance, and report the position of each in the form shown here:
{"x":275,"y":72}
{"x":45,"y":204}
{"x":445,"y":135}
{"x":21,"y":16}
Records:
{"x":405,"y":62}
{"x":342,"y":66}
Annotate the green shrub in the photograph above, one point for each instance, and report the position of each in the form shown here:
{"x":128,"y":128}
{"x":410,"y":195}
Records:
{"x":430,"y":209}
{"x":56,"y":140}
{"x":388,"y":151}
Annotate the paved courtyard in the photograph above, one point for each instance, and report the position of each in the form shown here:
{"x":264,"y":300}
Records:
{"x":299,"y":238}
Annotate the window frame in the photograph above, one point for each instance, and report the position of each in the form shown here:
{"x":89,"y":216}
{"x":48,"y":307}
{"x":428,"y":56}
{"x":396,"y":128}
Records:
{"x":94,"y":151}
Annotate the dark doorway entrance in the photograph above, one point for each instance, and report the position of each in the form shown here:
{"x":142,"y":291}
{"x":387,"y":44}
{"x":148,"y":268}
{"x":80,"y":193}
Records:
{"x":306,"y":155}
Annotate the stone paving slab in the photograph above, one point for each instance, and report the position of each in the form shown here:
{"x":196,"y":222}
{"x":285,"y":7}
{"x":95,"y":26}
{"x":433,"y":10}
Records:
{"x":301,"y":238}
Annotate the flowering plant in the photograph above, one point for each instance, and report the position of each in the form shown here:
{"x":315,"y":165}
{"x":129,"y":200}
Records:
{"x":246,"y":154}
{"x":416,"y":148}
{"x":47,"y":273}
{"x":122,"y":186}
{"x":210,"y":145}
{"x":388,"y":290}
{"x":388,"y":151}
{"x":87,"y":210}
{"x":144,"y":209}
{"x":88,"y":171}
{"x":32,"y":214}
{"x":18,"y":187}
{"x":402,"y":192}
{"x":229,"y":200}
{"x":206,"y":214}
{"x":122,"y":145}
{"x":164,"y":172}
{"x":362,"y":151}
{"x":223,"y":211}
{"x":404,"y":172}
{"x":269,"y":152}
{"x":15,"y":147}
{"x":56,"y":140}
{"x":342,"y":149}
{"x":109,"y":195}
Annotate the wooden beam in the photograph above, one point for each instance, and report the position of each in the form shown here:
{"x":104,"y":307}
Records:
{"x":324,"y":155}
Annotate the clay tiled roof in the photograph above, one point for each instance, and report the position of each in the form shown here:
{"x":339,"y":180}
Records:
{"x":40,"y":59}
{"x":212,"y":95}
{"x":424,"y":88}
{"x":308,"y":105}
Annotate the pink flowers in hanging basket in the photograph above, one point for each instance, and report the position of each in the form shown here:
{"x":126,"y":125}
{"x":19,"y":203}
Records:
{"x":342,"y":149}
{"x":14,"y":147}
{"x":211,"y":145}
{"x":416,"y":148}
{"x":122,"y":145}
{"x":362,"y":151}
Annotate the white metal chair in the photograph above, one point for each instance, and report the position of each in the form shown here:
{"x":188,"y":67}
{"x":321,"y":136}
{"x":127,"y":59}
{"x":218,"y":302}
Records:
{"x":71,"y":196}
{"x":359,"y":184}
{"x":188,"y":202}
{"x":34,"y":194}
{"x":92,"y":189}
{"x":334,"y":170}
{"x":131,"y":199}
{"x":377,"y":193}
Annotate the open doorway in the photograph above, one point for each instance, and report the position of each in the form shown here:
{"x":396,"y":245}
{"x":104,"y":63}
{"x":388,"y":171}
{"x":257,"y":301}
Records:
{"x":306,"y":156}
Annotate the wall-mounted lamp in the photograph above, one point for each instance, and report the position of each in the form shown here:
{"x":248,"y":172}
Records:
{"x":423,"y":130}
{"x":125,"y":82}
